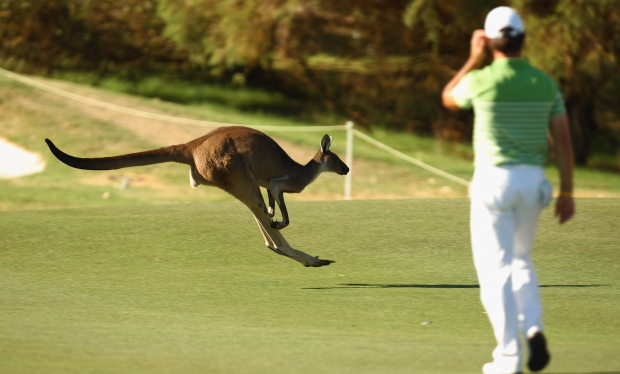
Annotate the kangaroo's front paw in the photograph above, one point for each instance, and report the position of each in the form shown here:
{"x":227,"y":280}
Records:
{"x":278,"y":225}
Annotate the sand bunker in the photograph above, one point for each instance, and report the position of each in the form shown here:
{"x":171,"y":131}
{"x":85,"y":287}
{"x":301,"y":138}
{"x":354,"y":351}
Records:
{"x":16,"y":161}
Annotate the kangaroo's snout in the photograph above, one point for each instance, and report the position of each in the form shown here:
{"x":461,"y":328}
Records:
{"x":344,"y":170}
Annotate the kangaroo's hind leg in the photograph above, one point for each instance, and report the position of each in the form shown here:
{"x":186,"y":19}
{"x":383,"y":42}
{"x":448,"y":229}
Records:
{"x":248,"y":192}
{"x":268,"y":242}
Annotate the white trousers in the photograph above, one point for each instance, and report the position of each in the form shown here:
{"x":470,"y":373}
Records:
{"x":506,"y":202}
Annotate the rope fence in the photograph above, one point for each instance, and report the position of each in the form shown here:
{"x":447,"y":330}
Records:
{"x":348,"y":127}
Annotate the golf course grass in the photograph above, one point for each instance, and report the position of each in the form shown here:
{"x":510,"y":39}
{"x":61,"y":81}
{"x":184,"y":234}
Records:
{"x":190,"y":288}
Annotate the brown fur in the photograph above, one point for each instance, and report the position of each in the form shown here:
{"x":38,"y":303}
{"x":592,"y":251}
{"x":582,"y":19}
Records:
{"x":239,"y":160}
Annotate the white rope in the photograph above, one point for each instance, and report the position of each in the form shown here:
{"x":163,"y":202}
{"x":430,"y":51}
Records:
{"x":410,"y":159}
{"x":195,"y":122}
{"x":155,"y":116}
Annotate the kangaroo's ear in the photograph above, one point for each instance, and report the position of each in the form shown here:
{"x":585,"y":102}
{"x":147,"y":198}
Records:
{"x":325,"y":143}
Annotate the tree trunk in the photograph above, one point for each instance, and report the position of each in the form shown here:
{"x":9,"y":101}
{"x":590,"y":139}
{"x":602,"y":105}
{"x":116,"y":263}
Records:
{"x":580,"y":112}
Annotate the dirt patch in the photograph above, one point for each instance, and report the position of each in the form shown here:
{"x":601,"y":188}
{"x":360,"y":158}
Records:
{"x":123,"y":181}
{"x":593,"y":193}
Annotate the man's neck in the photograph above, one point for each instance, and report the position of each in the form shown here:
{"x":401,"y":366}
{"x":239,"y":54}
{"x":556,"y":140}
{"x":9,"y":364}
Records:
{"x":499,"y":55}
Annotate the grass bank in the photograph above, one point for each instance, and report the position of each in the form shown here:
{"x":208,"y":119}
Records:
{"x":28,"y":116}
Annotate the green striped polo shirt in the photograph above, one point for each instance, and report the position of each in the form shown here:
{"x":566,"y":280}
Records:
{"x":513,"y":103}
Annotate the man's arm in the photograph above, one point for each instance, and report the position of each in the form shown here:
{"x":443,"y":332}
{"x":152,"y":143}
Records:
{"x":476,"y":55}
{"x":565,"y":205}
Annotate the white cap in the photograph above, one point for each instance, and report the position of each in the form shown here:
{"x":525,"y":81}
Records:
{"x":502,"y":17}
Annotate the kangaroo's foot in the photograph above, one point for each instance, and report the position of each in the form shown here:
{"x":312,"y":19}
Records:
{"x":299,"y":256}
{"x":278,"y":225}
{"x":321,"y":263}
{"x":276,"y":250}
{"x":304,"y":258}
{"x":313,"y":262}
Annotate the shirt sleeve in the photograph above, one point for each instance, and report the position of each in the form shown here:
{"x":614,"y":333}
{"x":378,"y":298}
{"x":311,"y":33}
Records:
{"x":558,"y":104}
{"x":463,"y":93}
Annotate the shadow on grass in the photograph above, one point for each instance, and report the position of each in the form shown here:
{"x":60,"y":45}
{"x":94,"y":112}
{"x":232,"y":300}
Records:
{"x":365,"y":285}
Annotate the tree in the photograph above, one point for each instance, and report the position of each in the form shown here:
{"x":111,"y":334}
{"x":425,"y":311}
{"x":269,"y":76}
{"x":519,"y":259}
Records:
{"x":379,"y":62}
{"x":370,"y":59}
{"x":577,"y":43}
{"x":84,"y":35}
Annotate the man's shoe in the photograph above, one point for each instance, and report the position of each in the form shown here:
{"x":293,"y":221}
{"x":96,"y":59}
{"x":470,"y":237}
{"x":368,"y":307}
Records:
{"x":539,"y":355}
{"x":496,"y":368}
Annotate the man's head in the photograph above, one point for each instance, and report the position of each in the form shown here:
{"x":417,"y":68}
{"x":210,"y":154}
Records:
{"x":505,"y":31}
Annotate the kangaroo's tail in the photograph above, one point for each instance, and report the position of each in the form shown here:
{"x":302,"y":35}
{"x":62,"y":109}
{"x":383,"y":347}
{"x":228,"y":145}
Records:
{"x":174,"y":153}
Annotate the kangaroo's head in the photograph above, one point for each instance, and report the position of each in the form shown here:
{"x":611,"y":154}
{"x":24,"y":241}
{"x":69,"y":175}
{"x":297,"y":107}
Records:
{"x":330,"y":161}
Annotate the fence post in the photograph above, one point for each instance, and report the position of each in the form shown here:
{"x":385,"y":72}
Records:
{"x":349,"y":161}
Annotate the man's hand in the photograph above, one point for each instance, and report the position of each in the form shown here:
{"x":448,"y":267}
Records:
{"x":564,"y":208}
{"x":476,"y":56}
{"x":476,"y":48}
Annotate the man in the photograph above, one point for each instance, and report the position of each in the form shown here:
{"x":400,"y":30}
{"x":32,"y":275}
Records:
{"x":514,"y":106}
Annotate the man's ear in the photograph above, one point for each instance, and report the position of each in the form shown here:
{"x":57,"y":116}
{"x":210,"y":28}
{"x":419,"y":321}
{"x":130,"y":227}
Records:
{"x":325,"y":143}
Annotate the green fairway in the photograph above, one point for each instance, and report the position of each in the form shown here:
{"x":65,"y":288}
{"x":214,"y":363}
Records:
{"x":190,"y":288}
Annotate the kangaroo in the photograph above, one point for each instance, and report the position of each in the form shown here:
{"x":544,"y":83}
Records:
{"x":238,"y":160}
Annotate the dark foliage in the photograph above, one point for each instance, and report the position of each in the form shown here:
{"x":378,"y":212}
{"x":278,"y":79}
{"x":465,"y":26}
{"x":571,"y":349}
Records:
{"x":113,"y":35}
{"x":378,"y":62}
